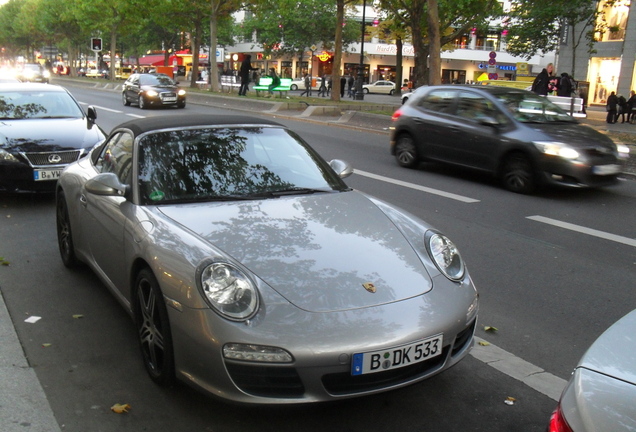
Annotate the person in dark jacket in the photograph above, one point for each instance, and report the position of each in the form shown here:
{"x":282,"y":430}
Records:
{"x":631,"y":106}
{"x":622,"y":109}
{"x":611,"y":106}
{"x":541,"y":82}
{"x":244,"y":74}
{"x":565,"y":87}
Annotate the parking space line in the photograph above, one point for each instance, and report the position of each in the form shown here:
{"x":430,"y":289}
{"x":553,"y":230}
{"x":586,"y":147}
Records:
{"x":417,"y":187}
{"x":583,"y":230}
{"x":519,"y":369}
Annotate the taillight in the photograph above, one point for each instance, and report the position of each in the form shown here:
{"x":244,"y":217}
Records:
{"x":396,"y":115}
{"x":558,"y":423}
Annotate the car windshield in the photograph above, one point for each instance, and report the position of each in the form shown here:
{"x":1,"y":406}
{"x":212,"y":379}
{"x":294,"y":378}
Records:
{"x":229,"y":163}
{"x":156,"y":80}
{"x":17,"y":105}
{"x":528,"y":107}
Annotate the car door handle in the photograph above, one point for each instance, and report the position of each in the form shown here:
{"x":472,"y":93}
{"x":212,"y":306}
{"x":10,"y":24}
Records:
{"x":83,"y":200}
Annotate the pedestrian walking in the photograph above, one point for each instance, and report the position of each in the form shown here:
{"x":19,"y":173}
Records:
{"x":329,"y":87}
{"x":244,"y":74}
{"x":322,"y":90}
{"x":343,"y":85}
{"x":350,"y":82}
{"x":611,"y":106}
{"x":307,"y":85}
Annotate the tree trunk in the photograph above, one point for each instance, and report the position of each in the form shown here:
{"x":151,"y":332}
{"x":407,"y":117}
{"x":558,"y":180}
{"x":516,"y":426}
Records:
{"x":195,"y":53}
{"x":398,"y":66}
{"x":214,"y":27}
{"x":434,"y":44}
{"x":336,"y":71}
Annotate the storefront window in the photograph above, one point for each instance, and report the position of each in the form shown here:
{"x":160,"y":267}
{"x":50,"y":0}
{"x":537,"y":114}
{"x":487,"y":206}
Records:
{"x":614,"y":20}
{"x":604,"y":74}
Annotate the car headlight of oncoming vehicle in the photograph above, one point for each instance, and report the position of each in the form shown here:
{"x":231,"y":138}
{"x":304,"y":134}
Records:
{"x":228,"y":290}
{"x":181,"y":92}
{"x":445,"y":255}
{"x":151,"y":93}
{"x":556,"y":149}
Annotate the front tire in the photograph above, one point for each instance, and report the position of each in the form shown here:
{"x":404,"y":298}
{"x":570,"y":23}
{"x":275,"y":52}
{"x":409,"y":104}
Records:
{"x":65,"y":233}
{"x":406,"y":151}
{"x":181,"y":104}
{"x":153,"y":329}
{"x":517,"y":174}
{"x":142,"y":102}
{"x":124,"y":99}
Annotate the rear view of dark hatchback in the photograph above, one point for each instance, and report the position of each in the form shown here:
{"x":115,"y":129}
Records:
{"x":521,"y":138}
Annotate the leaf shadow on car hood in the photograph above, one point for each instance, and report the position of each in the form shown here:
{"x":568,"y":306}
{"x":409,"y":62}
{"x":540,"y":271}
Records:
{"x":317,"y":251}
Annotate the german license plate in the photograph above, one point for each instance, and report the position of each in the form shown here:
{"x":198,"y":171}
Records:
{"x":606,"y":169}
{"x":396,"y":357}
{"x":170,"y":99}
{"x":39,"y":175}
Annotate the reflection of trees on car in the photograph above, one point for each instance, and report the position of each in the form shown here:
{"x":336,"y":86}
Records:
{"x":12,"y":111}
{"x":195,"y":164}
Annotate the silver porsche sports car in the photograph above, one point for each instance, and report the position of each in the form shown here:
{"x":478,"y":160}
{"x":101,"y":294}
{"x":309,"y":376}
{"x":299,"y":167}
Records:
{"x":253,"y":272}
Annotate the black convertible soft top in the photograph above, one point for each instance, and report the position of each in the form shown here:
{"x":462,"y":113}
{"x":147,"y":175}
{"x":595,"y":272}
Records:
{"x":140,"y":126}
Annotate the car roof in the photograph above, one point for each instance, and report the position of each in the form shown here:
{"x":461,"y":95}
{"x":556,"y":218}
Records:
{"x":491,"y":89}
{"x":148,"y":124}
{"x":26,"y":86}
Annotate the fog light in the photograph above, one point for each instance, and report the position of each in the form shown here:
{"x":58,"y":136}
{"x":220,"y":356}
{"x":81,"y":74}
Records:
{"x":256,"y":353}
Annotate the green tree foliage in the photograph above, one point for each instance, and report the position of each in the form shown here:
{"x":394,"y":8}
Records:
{"x":536,"y":27}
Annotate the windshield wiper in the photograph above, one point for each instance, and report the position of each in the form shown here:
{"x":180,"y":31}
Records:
{"x":297,"y":191}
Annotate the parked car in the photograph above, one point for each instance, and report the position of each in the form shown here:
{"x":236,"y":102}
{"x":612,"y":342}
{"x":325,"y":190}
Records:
{"x":240,"y":255}
{"x":42,"y":130}
{"x":96,"y":73}
{"x":384,"y":87}
{"x":33,"y":72}
{"x":602,"y":389}
{"x":152,"y":89}
{"x":519,"y":137}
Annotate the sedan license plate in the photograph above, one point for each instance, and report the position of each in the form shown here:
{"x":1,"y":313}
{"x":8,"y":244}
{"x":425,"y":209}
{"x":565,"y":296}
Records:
{"x":396,"y":357}
{"x":170,"y":99}
{"x":606,"y":169}
{"x":39,"y":175}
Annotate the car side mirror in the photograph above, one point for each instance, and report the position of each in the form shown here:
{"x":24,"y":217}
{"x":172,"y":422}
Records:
{"x":489,"y":121}
{"x":91,"y":114}
{"x":106,"y":184}
{"x":343,"y":169}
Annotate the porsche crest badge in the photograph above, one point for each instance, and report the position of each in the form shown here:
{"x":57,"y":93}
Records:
{"x":369,"y":287}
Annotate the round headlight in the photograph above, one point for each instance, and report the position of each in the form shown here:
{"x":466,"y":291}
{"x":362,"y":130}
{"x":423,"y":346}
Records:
{"x":445,"y":255}
{"x":228,"y":290}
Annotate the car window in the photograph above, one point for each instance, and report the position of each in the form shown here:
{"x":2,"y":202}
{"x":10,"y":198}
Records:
{"x":474,"y":107}
{"x":20,"y":104}
{"x":204,"y":164}
{"x":528,"y":107}
{"x":440,"y":100}
{"x":116,"y":157}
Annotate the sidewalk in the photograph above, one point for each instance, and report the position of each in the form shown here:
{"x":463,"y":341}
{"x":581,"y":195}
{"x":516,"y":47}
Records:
{"x":23,"y":403}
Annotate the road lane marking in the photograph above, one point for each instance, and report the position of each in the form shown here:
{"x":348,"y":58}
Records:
{"x":115,"y":111}
{"x":583,"y":230}
{"x":519,"y":369}
{"x":417,"y":187}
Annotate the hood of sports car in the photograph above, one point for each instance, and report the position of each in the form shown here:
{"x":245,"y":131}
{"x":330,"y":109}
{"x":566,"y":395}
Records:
{"x":323,"y":252}
{"x":42,"y":135}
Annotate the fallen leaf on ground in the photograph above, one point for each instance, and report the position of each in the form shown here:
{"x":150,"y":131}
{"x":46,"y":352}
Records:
{"x":77,"y":316}
{"x":491,"y":329}
{"x":119,"y":408}
{"x":484,"y":343}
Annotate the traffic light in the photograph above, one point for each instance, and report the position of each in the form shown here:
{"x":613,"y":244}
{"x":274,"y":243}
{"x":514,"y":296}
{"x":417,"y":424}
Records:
{"x":96,"y":44}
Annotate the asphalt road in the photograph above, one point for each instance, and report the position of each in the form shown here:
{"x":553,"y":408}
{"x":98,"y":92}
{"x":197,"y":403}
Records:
{"x":554,"y":270}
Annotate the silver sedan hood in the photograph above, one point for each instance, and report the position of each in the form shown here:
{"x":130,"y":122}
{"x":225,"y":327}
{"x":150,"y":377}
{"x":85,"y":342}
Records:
{"x":320,"y":252}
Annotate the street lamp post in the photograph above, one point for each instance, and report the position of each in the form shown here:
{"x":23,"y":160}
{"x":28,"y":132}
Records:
{"x":359,"y":93}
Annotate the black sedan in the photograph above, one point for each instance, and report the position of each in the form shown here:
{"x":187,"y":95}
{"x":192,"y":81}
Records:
{"x":152,"y":89}
{"x":42,"y":130}
{"x":523,"y":139}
